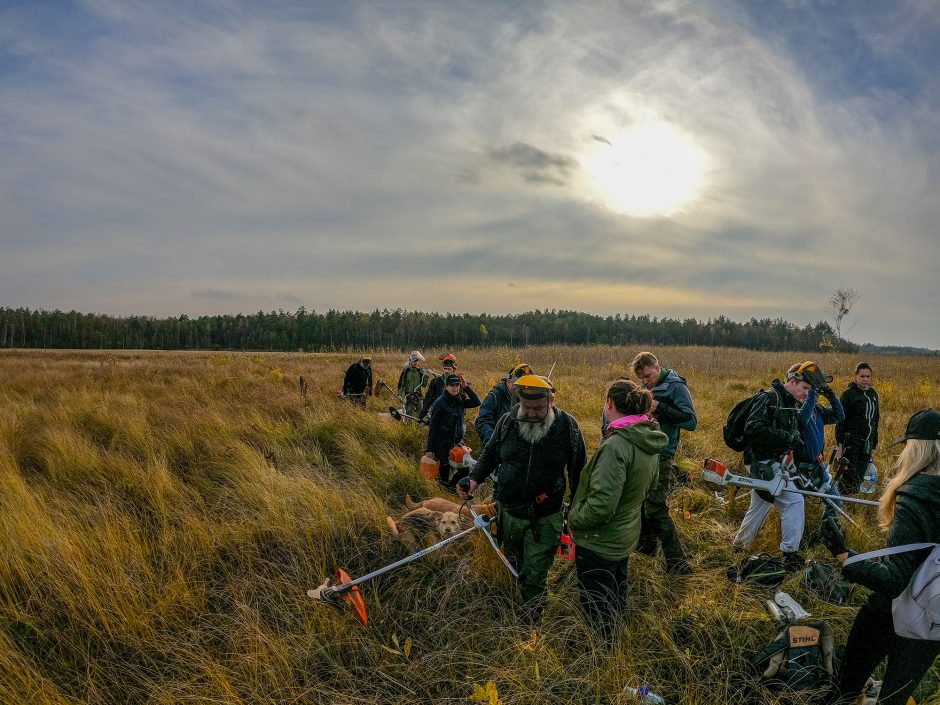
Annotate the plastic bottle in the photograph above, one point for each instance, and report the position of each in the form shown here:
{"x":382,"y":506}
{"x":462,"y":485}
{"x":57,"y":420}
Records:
{"x":870,"y":483}
{"x":643,"y":695}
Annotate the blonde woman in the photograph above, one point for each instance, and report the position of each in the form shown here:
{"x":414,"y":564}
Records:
{"x":910,"y":510}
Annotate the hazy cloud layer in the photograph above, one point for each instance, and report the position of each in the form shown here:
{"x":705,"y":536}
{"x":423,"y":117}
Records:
{"x":213,"y":156}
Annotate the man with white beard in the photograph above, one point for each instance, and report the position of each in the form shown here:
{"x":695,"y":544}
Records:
{"x":532,"y":446}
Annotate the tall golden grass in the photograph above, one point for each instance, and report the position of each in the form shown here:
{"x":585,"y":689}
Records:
{"x":163,"y":514}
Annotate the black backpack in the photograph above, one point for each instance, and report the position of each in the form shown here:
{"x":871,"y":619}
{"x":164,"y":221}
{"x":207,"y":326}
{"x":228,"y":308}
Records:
{"x":733,"y":432}
{"x":822,"y":578}
{"x":803,"y":657}
{"x":762,"y":569}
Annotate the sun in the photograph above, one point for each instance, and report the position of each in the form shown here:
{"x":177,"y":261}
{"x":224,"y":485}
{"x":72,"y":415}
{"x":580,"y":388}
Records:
{"x":647,"y":170}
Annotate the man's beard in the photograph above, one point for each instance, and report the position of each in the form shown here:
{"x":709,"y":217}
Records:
{"x":533,"y":432}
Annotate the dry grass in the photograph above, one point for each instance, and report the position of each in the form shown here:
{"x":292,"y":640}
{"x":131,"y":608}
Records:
{"x":162,"y":515}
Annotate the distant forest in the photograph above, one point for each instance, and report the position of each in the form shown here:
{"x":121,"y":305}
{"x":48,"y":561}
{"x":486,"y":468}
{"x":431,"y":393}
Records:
{"x":398,"y":330}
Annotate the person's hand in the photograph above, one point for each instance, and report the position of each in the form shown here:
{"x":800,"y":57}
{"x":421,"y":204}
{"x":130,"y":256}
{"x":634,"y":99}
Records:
{"x":826,"y":391}
{"x":654,"y":406}
{"x":794,"y":440}
{"x":830,"y":533}
{"x":466,"y":487}
{"x":430,"y":456}
{"x":463,"y":381}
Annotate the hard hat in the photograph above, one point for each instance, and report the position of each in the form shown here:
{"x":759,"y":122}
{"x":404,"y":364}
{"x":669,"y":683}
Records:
{"x":366,"y":358}
{"x":415,"y":356}
{"x":534,"y":387}
{"x":808,"y":371}
{"x":448,"y":360}
{"x":519,"y":370}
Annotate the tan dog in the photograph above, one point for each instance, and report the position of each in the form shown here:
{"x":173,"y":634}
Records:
{"x":439,"y":504}
{"x":423,"y":527}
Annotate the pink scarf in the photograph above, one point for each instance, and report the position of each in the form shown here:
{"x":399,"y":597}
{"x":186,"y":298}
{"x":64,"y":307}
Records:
{"x":626,"y":421}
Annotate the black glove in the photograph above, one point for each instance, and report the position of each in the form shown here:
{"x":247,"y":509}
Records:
{"x":794,"y":441}
{"x":826,"y":391}
{"x":830,"y":533}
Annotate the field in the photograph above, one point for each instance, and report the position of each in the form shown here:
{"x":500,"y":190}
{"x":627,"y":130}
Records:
{"x":162,"y":516}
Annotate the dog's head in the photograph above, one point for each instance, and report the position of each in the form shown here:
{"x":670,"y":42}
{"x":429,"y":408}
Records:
{"x":448,"y":524}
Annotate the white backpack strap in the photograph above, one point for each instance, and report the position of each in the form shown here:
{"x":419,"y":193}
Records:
{"x":888,"y":552}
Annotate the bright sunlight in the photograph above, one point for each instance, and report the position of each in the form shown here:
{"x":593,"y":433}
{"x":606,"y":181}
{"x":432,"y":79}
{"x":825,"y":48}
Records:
{"x":648,"y":170}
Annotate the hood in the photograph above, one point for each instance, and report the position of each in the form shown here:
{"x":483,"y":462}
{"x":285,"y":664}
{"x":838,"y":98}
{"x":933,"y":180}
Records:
{"x":854,"y":385}
{"x":923,"y":488}
{"x":646,"y":436}
{"x":671,"y":378}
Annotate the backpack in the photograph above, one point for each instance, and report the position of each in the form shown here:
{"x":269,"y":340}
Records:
{"x":916,"y":611}
{"x":762,"y":569}
{"x":802,"y":657}
{"x":822,"y":578}
{"x":733,"y":432}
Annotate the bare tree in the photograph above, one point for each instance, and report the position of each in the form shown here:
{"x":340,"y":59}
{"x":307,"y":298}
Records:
{"x":839,"y":305}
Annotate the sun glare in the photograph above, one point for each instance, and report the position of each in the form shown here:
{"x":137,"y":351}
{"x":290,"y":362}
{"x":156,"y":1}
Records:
{"x":648,"y":170}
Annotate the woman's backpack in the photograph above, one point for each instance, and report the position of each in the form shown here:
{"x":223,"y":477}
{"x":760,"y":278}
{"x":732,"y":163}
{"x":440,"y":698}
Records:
{"x":916,"y":611}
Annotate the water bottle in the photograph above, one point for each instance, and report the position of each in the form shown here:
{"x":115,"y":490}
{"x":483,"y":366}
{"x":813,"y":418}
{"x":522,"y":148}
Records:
{"x":870,"y":483}
{"x":643,"y":695}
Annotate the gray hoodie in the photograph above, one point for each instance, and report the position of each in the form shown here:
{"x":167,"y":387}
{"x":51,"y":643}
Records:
{"x":675,"y":409}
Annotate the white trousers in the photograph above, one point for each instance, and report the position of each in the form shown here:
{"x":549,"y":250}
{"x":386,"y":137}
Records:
{"x":792,"y":518}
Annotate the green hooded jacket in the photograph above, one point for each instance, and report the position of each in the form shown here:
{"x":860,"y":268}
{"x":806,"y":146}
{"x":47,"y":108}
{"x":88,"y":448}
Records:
{"x":606,"y":510}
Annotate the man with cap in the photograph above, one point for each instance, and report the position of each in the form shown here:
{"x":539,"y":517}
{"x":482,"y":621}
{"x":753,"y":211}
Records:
{"x":411,"y":383}
{"x":436,"y":387}
{"x":357,"y":384}
{"x":533,"y":446}
{"x":446,"y":425}
{"x":497,"y":402}
{"x":772,"y":430}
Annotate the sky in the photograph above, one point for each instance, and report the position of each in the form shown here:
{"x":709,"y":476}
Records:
{"x":682,"y":158}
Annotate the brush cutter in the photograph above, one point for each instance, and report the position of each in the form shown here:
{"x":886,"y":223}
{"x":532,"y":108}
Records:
{"x":400,"y":415}
{"x":383,"y":383}
{"x":331,"y":592}
{"x":716,"y":473}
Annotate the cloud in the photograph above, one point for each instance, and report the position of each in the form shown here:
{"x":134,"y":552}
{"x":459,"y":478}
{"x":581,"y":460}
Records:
{"x":289,"y":299}
{"x":535,"y":165}
{"x":215,"y":294}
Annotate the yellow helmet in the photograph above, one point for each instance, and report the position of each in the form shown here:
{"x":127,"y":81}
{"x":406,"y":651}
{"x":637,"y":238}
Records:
{"x":534,"y":387}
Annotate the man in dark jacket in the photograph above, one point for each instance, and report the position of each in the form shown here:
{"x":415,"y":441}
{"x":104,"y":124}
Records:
{"x":446,"y":428}
{"x":772,"y":428}
{"x":357,"y":384}
{"x":532,"y":447}
{"x":672,"y":408}
{"x":497,"y":402}
{"x":857,"y":435}
{"x":436,"y":387}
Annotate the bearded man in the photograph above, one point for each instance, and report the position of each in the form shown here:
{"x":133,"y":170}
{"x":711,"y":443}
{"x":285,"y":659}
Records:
{"x":533,"y":445}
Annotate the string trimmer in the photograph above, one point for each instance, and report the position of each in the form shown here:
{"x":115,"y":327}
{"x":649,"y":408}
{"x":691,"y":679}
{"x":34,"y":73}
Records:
{"x":331,"y":593}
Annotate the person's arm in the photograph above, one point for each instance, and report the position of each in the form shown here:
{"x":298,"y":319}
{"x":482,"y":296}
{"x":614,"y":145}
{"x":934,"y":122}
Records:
{"x":401,"y":382}
{"x":668,"y":413}
{"x":876,"y":417}
{"x":682,"y":401}
{"x":842,"y":427}
{"x":435,"y":428}
{"x":471,"y":400}
{"x":893,"y":573}
{"x":805,"y":414}
{"x":347,"y":379}
{"x":486,"y":421}
{"x":834,"y":413}
{"x":757,"y":427}
{"x":369,"y":382}
{"x":599,"y":502}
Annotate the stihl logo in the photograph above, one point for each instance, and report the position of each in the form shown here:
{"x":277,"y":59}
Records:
{"x":803,"y":636}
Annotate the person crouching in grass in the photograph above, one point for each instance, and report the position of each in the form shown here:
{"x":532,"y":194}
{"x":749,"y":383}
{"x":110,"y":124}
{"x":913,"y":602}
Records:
{"x":607,"y":509}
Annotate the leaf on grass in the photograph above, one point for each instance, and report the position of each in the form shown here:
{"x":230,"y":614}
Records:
{"x":407,"y":647}
{"x":488,"y":695}
{"x":391,"y":651}
{"x":532,"y":644}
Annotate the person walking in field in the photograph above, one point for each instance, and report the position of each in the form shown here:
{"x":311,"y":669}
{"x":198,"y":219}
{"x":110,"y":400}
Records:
{"x":672,"y":407}
{"x":910,"y":510}
{"x":436,"y":387}
{"x":857,"y":434}
{"x":772,"y":431}
{"x":535,"y":444}
{"x":446,"y":426}
{"x":357,"y":384}
{"x":497,"y":402}
{"x":607,"y":509}
{"x":411,"y":383}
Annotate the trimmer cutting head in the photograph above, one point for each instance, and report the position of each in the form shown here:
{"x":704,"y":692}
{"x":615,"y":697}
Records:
{"x":330,"y":594}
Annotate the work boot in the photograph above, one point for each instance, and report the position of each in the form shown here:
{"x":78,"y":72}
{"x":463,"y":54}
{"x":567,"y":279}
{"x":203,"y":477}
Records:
{"x":794,"y":561}
{"x":648,"y":546}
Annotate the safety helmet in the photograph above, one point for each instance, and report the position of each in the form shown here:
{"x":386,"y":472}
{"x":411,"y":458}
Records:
{"x":415,"y":356}
{"x":365,"y":358}
{"x":448,"y":360}
{"x":808,"y":371}
{"x":518,"y":371}
{"x":534,"y":387}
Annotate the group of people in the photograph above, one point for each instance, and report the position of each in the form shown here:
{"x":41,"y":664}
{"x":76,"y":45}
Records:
{"x":536,"y":455}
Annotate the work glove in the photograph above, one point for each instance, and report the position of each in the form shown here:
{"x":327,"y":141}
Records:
{"x":831,"y":536}
{"x":826,"y":391}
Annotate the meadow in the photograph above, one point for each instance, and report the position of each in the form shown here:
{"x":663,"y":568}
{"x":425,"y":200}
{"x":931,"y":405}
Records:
{"x":162,"y":516}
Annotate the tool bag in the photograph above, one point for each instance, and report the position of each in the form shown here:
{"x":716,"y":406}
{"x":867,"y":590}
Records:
{"x":763,"y":569}
{"x":803,"y":657}
{"x":822,"y":578}
{"x":916,"y":611}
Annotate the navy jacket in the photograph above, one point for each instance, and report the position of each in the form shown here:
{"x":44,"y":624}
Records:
{"x":496,"y":403}
{"x":813,"y":419}
{"x":447,"y":427}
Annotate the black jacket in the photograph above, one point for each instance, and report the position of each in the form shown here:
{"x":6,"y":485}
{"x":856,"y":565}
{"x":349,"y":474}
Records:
{"x":532,"y":477}
{"x":435,"y":389}
{"x":916,"y":520}
{"x":357,"y":379}
{"x":862,"y":414}
{"x":446,"y":428}
{"x":495,"y":404}
{"x":771,"y":424}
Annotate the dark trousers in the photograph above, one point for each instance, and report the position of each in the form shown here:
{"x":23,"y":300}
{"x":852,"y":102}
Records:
{"x":657,"y":525}
{"x":851,"y":478}
{"x":871,"y":639}
{"x":603,"y":589}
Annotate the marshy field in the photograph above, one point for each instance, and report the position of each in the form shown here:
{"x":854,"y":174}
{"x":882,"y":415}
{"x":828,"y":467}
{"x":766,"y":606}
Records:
{"x":162,"y":515}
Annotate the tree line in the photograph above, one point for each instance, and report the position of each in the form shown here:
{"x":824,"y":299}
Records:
{"x":397,"y":329}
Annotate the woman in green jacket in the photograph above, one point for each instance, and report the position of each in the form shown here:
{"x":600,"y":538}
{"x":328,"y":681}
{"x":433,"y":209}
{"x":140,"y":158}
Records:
{"x":606,"y":511}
